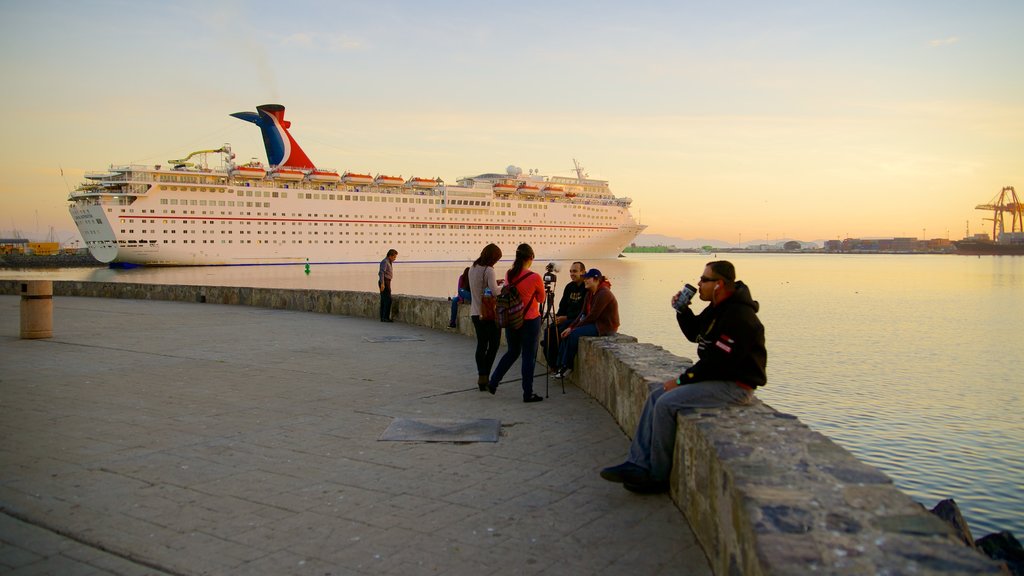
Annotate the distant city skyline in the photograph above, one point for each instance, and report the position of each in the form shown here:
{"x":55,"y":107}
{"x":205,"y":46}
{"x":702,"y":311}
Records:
{"x":737,"y":121}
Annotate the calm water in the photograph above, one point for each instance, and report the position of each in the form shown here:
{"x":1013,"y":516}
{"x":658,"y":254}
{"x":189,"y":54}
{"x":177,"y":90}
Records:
{"x":914,"y":363}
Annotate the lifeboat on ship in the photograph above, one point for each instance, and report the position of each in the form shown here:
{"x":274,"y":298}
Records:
{"x":249,"y":171}
{"x":528,"y":189}
{"x":382,"y":180}
{"x":288,"y":174}
{"x":324,"y":176}
{"x":556,"y":190}
{"x":422,"y":183}
{"x":503,"y":188}
{"x":354,"y":178}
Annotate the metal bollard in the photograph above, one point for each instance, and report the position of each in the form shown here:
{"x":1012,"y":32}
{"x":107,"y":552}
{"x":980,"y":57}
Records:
{"x":37,"y":309}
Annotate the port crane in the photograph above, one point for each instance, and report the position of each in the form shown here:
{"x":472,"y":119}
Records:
{"x":1005,"y":202}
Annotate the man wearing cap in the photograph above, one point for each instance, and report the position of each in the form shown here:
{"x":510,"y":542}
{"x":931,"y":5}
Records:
{"x":600,"y":317}
{"x":732,"y":359}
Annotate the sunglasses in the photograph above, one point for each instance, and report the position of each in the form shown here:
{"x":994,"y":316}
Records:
{"x":706,"y":279}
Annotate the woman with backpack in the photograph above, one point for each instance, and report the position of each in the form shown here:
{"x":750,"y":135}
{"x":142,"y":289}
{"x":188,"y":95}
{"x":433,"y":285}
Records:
{"x":481,"y":312}
{"x":522,"y":339}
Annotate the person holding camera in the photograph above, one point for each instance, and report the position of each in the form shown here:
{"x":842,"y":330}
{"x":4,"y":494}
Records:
{"x":569,"y":308}
{"x":600,"y":317}
{"x":731,"y":365}
{"x":482,"y":282}
{"x":522,"y":340}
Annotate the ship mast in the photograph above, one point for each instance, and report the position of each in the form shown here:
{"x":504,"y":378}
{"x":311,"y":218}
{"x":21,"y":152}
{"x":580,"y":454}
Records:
{"x":1005,"y":201}
{"x":580,"y":174}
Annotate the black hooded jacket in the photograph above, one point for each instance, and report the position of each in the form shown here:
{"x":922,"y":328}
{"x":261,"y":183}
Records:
{"x":730,"y":341}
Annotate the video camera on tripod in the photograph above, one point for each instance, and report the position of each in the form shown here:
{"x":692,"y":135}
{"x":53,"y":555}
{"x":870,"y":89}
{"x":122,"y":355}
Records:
{"x":549,"y":275}
{"x":550,"y":279}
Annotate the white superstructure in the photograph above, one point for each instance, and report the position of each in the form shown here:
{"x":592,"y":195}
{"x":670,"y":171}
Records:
{"x":187,"y":214}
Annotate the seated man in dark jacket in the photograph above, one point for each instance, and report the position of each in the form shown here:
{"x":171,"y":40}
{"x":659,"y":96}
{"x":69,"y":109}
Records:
{"x":569,"y":309}
{"x":732,"y":359}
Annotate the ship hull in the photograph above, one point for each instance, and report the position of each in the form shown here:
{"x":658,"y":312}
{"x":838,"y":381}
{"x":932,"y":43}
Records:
{"x":973,"y":248}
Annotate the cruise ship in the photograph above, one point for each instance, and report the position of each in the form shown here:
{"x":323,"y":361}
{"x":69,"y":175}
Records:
{"x":288,"y":211}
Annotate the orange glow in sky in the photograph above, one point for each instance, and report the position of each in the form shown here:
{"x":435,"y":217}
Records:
{"x":740,"y":120}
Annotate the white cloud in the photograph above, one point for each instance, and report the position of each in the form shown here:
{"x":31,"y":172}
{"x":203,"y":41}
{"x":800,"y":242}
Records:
{"x":325,"y":42}
{"x":299,"y":39}
{"x":945,"y":41}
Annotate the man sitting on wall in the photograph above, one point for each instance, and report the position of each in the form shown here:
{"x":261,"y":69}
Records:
{"x":569,"y":309}
{"x":600,"y":317}
{"x":732,"y":359}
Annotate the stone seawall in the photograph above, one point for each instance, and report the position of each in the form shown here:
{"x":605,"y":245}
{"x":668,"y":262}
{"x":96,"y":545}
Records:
{"x":763,"y":492}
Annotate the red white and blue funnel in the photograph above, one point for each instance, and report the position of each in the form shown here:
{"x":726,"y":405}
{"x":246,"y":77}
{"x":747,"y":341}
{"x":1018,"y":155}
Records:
{"x":282,"y":150}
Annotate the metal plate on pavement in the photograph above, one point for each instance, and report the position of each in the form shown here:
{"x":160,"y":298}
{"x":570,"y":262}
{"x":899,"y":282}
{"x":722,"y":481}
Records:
{"x":442,"y":430}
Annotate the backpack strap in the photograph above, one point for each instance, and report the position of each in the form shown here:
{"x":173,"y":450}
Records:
{"x":521,"y":278}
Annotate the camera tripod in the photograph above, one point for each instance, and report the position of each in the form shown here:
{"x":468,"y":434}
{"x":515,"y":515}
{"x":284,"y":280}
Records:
{"x":548,"y":315}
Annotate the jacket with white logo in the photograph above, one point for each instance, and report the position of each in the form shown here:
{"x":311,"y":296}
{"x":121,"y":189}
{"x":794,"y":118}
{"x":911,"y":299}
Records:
{"x":730,"y":341}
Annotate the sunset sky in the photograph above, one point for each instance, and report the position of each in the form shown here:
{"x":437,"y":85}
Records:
{"x":726,"y":120}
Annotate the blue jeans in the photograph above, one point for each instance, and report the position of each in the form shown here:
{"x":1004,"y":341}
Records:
{"x":655,"y":438}
{"x":524,"y":341}
{"x":464,"y":296}
{"x":567,"y":350}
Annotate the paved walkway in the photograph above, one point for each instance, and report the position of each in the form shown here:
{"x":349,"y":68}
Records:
{"x":158,"y":437}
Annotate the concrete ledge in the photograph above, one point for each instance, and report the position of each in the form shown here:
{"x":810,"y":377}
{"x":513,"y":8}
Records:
{"x":419,"y":310}
{"x":763,"y":493}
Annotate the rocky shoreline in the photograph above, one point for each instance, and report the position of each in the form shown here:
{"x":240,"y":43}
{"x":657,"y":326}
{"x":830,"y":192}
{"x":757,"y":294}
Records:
{"x":999,"y":546}
{"x":76,"y":260}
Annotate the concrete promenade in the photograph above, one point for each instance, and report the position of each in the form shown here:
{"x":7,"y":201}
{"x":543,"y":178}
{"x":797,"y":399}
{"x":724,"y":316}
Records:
{"x":151,"y":437}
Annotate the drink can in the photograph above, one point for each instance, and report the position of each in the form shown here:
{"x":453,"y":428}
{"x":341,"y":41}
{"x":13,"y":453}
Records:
{"x":685,"y":295}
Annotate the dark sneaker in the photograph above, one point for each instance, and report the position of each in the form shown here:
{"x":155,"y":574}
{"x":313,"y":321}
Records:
{"x":625,"y":472}
{"x":533,"y":398}
{"x":647,"y":486}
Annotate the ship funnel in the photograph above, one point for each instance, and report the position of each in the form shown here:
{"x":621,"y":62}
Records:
{"x":282,"y":150}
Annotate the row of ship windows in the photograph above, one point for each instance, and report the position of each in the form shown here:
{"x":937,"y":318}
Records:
{"x":295,"y":215}
{"x":232,"y":204}
{"x":250,"y":191}
{"x":221,"y":183}
{"x":392,"y":199}
{"x":144,"y":243}
{"x":350,"y":198}
{"x":339,"y":224}
{"x":274,"y":233}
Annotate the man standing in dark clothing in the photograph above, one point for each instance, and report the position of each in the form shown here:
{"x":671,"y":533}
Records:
{"x":384,"y":284}
{"x":732,"y":360}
